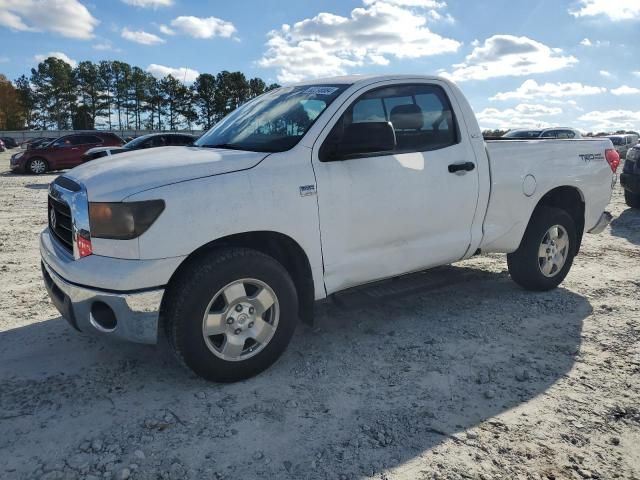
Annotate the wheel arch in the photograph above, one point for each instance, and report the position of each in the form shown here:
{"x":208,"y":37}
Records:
{"x":277,"y":245}
{"x":571,"y":200}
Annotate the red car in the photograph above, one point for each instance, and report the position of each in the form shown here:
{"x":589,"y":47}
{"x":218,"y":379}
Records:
{"x":65,"y":152}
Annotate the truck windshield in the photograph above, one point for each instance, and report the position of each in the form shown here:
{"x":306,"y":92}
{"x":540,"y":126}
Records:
{"x":272,"y":122}
{"x":616,"y":140}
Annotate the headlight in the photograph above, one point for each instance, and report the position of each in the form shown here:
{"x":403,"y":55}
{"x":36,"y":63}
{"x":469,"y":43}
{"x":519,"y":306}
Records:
{"x":123,"y":221}
{"x":16,"y":156}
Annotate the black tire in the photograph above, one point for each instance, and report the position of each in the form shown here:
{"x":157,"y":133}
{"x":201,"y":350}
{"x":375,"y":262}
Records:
{"x":632,"y":199}
{"x":196,"y":285}
{"x":524,"y":264}
{"x":31,"y":163}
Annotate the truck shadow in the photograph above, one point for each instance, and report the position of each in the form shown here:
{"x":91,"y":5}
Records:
{"x":627,"y":225}
{"x":366,"y":389}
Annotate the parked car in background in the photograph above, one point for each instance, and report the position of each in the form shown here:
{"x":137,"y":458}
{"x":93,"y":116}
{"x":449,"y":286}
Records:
{"x":527,"y":134}
{"x":630,"y":177}
{"x":65,"y":152}
{"x":146,"y":141}
{"x":36,"y":142}
{"x":9,"y":142}
{"x":2,"y":147}
{"x":623,"y":142}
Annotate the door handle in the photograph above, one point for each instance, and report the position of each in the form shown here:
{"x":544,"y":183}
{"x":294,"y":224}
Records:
{"x":461,"y":167}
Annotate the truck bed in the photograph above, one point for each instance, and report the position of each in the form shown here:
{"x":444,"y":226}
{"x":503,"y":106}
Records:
{"x":537,"y":165}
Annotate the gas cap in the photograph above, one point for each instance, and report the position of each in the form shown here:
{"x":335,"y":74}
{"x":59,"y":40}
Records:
{"x":529,"y":185}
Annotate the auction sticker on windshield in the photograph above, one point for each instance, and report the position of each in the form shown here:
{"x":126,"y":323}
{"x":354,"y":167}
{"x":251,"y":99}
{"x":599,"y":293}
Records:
{"x":320,"y":90}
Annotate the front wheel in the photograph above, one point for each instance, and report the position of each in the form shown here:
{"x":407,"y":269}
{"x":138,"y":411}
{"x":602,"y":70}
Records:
{"x":230,"y":313}
{"x":546,"y":252}
{"x":632,"y":199}
{"x":37,"y":166}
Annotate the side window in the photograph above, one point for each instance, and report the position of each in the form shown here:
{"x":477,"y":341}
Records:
{"x":79,"y":140}
{"x":179,"y":140}
{"x":92,"y":139}
{"x":84,"y":139}
{"x":63,"y":142}
{"x":421,"y":117}
{"x":549,"y":134}
{"x":369,"y":110}
{"x":157,"y":141}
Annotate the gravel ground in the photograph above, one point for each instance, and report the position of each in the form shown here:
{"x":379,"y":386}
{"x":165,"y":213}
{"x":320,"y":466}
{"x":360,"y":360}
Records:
{"x":474,"y":380}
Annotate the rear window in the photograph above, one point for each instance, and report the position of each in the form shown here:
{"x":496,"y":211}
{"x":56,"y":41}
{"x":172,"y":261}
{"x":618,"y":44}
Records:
{"x":566,"y":134}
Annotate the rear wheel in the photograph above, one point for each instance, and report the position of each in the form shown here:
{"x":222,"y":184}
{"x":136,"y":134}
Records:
{"x":632,"y":199}
{"x":37,"y":166}
{"x":231,"y":313}
{"x":546,"y":252}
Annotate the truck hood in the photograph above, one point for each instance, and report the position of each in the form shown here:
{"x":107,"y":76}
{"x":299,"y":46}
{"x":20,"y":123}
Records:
{"x":112,"y":179}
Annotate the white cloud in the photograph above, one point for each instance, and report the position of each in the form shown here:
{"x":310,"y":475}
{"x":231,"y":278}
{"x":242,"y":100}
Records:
{"x":149,"y":3}
{"x":625,"y":90}
{"x":507,"y":55}
{"x":410,"y":3}
{"x":637,"y":74}
{"x":523,"y":115}
{"x":596,"y":43}
{"x":184,"y":74}
{"x":611,"y":120}
{"x":105,"y":46}
{"x":616,"y":11}
{"x":62,"y":56}
{"x":166,"y":30}
{"x":329,"y":44}
{"x":68,"y":18}
{"x":606,"y":73}
{"x":532,"y":89}
{"x":209,"y":27}
{"x":142,"y":37}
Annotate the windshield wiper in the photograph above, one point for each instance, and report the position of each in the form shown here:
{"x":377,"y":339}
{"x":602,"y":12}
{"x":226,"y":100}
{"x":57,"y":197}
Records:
{"x":229,"y":146}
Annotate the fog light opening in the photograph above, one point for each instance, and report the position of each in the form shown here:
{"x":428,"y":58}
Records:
{"x":102,"y":317}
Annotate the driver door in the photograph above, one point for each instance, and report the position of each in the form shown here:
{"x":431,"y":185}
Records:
{"x":387,"y":213}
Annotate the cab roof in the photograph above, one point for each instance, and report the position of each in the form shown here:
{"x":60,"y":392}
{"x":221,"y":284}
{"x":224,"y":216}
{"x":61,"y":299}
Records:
{"x":365,"y":79}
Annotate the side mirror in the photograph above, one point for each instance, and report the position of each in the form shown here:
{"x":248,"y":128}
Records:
{"x":360,"y":139}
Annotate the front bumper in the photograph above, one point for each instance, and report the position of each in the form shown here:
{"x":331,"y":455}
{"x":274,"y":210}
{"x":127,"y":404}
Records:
{"x":630,"y":182}
{"x":131,"y":316}
{"x":17,"y":167}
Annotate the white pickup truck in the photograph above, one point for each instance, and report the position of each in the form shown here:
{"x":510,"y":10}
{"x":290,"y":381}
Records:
{"x":302,"y":192}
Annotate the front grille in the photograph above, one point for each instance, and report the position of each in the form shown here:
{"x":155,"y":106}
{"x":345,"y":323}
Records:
{"x":60,"y":222}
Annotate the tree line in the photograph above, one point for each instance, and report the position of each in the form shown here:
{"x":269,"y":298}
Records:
{"x":498,"y":133}
{"x":115,"y":95}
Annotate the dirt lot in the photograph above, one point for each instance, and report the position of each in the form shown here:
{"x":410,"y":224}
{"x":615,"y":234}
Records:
{"x":476,"y":380}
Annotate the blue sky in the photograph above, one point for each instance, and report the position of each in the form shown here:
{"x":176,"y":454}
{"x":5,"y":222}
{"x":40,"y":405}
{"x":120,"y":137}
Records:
{"x":520,"y":62}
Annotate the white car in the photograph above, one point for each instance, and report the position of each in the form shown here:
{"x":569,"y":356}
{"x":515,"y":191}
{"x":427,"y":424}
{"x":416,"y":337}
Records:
{"x":623,"y":142}
{"x":303,"y":192}
{"x":547,"y":133}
